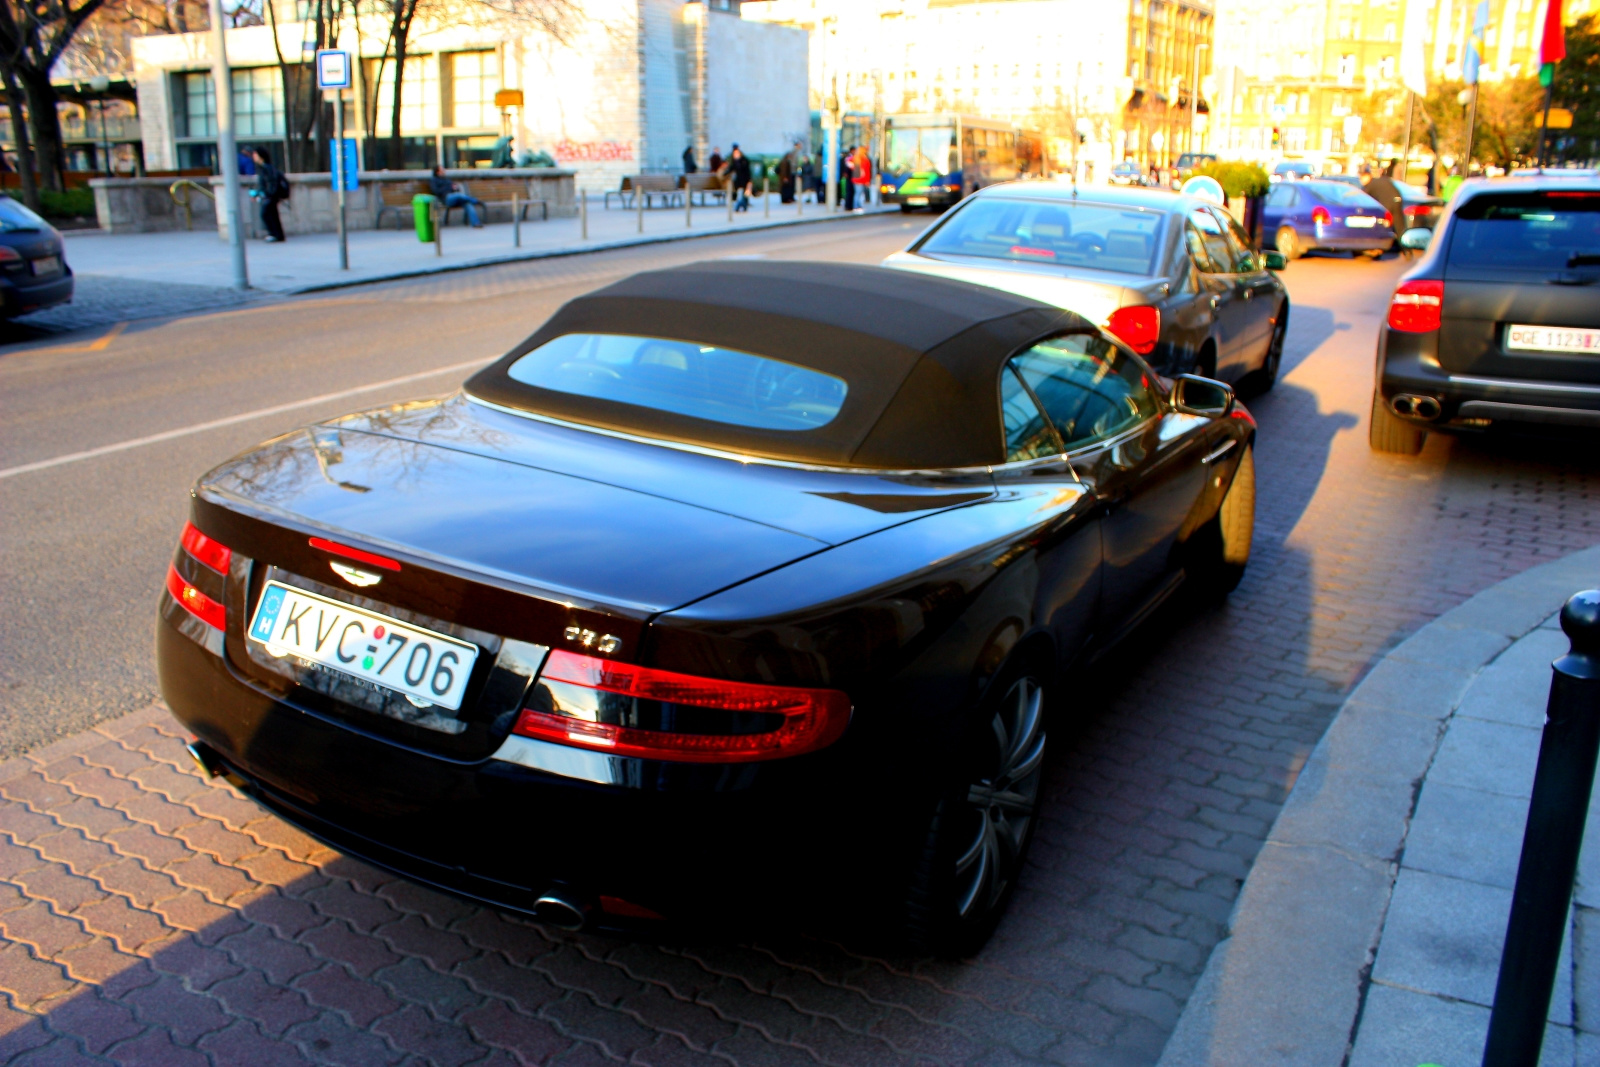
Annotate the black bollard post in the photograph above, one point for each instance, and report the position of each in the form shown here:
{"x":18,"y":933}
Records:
{"x":1556,"y":814}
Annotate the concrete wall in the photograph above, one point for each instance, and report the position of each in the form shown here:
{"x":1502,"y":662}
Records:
{"x":755,"y":84}
{"x":668,"y":63}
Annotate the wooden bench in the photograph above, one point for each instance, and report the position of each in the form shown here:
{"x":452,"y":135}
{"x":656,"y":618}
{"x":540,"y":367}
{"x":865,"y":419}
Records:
{"x":649,"y":186}
{"x":396,"y":197}
{"x":494,"y":191}
{"x":704,"y":185}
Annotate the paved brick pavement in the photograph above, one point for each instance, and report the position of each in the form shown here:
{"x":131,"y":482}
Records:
{"x":150,"y":916}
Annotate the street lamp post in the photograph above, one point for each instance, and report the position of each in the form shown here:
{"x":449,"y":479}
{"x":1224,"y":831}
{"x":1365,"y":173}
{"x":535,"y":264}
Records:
{"x":100,"y":83}
{"x":1194,"y":94}
{"x":227,"y":148}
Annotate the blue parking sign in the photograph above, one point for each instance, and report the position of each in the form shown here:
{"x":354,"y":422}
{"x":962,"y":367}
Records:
{"x":346,"y":165}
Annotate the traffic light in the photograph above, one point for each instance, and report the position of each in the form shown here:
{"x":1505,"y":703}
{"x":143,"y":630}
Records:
{"x":1277,"y":137}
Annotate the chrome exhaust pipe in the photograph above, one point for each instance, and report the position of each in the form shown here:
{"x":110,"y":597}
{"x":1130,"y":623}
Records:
{"x":1426,"y":407}
{"x":555,"y":910}
{"x":1417,"y":407}
{"x":205,"y":757}
{"x":1401,"y":404}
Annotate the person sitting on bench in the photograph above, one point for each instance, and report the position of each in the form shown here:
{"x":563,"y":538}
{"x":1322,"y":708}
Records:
{"x":454,"y":194}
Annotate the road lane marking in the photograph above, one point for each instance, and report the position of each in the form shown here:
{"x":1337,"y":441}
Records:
{"x":214,"y":424}
{"x":99,"y":344}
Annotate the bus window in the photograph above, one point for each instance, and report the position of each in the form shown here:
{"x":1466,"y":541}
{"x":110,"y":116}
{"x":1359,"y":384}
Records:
{"x":920,"y":149}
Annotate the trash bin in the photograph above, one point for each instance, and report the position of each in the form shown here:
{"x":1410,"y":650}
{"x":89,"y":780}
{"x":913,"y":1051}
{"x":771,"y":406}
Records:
{"x":422,"y":211}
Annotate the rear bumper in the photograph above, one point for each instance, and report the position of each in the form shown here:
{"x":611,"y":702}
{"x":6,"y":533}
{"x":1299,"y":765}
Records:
{"x":1343,"y":239}
{"x":924,"y":198}
{"x":762,"y":839}
{"x":1471,"y":402}
{"x":19,"y":298}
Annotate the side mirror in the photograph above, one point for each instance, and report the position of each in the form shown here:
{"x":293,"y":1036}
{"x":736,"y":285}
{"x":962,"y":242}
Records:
{"x":1417,"y":238}
{"x":1275,"y":260}
{"x":1194,"y":395}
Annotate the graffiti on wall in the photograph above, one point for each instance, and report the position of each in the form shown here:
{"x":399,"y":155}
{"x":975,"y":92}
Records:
{"x":593,"y":151}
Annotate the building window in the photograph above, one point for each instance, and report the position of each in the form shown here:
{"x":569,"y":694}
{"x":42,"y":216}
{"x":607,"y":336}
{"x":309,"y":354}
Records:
{"x":257,"y":103}
{"x":1386,"y":67}
{"x":472,"y":89}
{"x":1347,"y":69}
{"x":419,"y":96}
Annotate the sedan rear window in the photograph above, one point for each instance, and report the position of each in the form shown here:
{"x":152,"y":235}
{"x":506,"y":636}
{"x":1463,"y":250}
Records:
{"x":685,"y":378}
{"x":1339,"y":193}
{"x":1066,"y":233}
{"x":1554,"y":230}
{"x":15,"y":217}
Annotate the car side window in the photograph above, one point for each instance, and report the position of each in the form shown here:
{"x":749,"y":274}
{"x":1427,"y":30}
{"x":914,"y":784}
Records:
{"x":1240,"y":253}
{"x":1217,"y":249}
{"x":1029,"y":434}
{"x":1198,"y":253}
{"x":1282,"y":195}
{"x":1088,"y":386}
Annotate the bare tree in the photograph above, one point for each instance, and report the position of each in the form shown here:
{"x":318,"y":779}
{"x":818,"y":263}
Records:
{"x":33,"y":36}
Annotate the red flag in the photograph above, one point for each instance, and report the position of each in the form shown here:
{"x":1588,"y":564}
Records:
{"x":1553,"y":45}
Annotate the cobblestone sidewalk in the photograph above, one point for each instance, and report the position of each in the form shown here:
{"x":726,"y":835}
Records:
{"x":101,"y":300}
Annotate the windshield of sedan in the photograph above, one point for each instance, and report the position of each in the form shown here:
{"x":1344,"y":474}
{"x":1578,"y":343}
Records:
{"x":1544,"y":231}
{"x":14,"y":217}
{"x":1059,"y":232}
{"x":919,"y":149}
{"x":701,"y":381}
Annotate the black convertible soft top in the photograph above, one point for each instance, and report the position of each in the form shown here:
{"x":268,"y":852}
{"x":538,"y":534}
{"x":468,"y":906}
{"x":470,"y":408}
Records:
{"x":921,"y":355}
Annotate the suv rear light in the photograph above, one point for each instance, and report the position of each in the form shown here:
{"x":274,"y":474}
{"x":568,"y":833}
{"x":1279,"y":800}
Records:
{"x":599,"y":705}
{"x":1139,"y":327}
{"x":1416,"y":306}
{"x":1320,"y":216}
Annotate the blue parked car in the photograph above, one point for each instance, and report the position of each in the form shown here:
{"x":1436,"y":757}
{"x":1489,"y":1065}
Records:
{"x":1300,"y":216}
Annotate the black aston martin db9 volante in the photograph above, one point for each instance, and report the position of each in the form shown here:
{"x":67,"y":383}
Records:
{"x":742,"y":588}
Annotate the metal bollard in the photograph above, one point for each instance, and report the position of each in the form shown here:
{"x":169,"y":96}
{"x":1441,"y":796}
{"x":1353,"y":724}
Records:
{"x":638,"y":203}
{"x":727,"y":187}
{"x":516,"y":226}
{"x":688,"y":206}
{"x":1556,"y":814}
{"x":438,"y":228}
{"x":766,"y":203}
{"x":583,"y":214}
{"x":799,"y":198}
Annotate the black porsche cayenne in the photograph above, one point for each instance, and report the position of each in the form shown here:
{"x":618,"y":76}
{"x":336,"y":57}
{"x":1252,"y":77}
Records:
{"x":740,"y":589}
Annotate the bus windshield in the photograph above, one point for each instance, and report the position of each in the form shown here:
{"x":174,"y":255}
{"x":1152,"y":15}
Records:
{"x":919,"y":149}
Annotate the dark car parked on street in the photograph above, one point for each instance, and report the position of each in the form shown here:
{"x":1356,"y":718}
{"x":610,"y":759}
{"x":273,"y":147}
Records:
{"x":33,"y":262}
{"x":1299,"y":217}
{"x":741,"y":589}
{"x":1499,"y":324}
{"x":1173,"y":276}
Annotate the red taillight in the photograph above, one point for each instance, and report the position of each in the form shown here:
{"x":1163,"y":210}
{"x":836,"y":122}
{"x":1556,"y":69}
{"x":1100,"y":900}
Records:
{"x":811,"y":718}
{"x":1388,"y":220}
{"x":357,"y":554}
{"x":1416,"y":306}
{"x":194,"y":601}
{"x":1319,"y":215}
{"x":1039,"y":253}
{"x":1139,"y":327}
{"x":211,"y":553}
{"x":1415,"y":209}
{"x":9,"y":254}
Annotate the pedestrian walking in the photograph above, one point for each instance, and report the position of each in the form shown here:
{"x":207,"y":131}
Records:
{"x":247,"y":163}
{"x":1382,"y":189}
{"x":689,"y":165}
{"x":272,"y":188}
{"x":788,"y":172}
{"x":861,"y":178}
{"x":454,"y":194}
{"x":738,"y":168}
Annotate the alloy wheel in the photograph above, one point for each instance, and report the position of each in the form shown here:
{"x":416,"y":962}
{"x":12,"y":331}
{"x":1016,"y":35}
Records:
{"x":1004,"y":798}
{"x":1288,"y":243}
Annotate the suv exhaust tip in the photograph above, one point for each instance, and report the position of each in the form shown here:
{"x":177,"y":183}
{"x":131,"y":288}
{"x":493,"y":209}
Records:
{"x":1415,"y":407}
{"x":556,"y":910}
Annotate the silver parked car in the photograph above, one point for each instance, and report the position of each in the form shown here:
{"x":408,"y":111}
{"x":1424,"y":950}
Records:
{"x":1173,"y":276}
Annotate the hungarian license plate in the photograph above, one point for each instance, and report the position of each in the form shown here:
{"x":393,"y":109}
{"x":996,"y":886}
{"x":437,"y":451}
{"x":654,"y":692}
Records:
{"x":426,"y":667}
{"x":1552,"y":339}
{"x":917,"y":201}
{"x":47,"y":265}
{"x":1360,"y":222}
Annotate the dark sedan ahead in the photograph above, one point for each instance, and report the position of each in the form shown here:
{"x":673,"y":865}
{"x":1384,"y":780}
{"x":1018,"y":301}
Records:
{"x":1173,"y":276}
{"x":1499,"y":324}
{"x":741,"y":589}
{"x":1299,"y":217}
{"x":33,"y":263}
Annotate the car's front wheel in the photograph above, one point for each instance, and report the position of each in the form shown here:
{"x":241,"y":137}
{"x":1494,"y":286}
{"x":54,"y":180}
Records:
{"x":1288,"y":242}
{"x":983,"y":820}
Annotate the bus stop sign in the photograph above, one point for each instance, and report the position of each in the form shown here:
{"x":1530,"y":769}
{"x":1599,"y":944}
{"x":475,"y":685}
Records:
{"x":333,"y":69}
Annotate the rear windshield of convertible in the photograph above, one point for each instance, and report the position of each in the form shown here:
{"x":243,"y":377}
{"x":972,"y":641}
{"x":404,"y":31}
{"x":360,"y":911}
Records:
{"x":685,"y":378}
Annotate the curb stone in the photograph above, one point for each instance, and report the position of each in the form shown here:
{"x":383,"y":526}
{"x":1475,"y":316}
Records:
{"x":1287,"y":985}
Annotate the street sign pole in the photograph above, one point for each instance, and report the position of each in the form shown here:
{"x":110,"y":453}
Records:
{"x":339,"y":176}
{"x":227,"y":147}
{"x":334,"y":77}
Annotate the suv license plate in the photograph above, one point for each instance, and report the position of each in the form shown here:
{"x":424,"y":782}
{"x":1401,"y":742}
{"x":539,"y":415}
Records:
{"x":426,"y":667}
{"x":1360,"y":222}
{"x":1552,"y":339}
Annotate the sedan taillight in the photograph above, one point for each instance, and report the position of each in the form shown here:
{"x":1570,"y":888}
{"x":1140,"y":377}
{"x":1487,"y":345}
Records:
{"x":626,"y":710}
{"x":1388,"y":220}
{"x":1321,"y":216}
{"x":213,"y":556}
{"x":1139,"y":327}
{"x":1416,"y":306}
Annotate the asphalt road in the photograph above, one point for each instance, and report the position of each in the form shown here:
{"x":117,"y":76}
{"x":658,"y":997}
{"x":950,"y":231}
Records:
{"x":84,"y":544}
{"x":1186,"y":746}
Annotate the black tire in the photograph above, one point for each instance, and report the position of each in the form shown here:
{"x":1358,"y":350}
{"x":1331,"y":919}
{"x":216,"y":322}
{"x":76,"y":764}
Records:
{"x":1374,"y":254}
{"x":1264,"y":377}
{"x":982,"y":820}
{"x":1220,"y":550}
{"x":905,"y":209}
{"x":1390,"y":433}
{"x":1288,"y":242}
